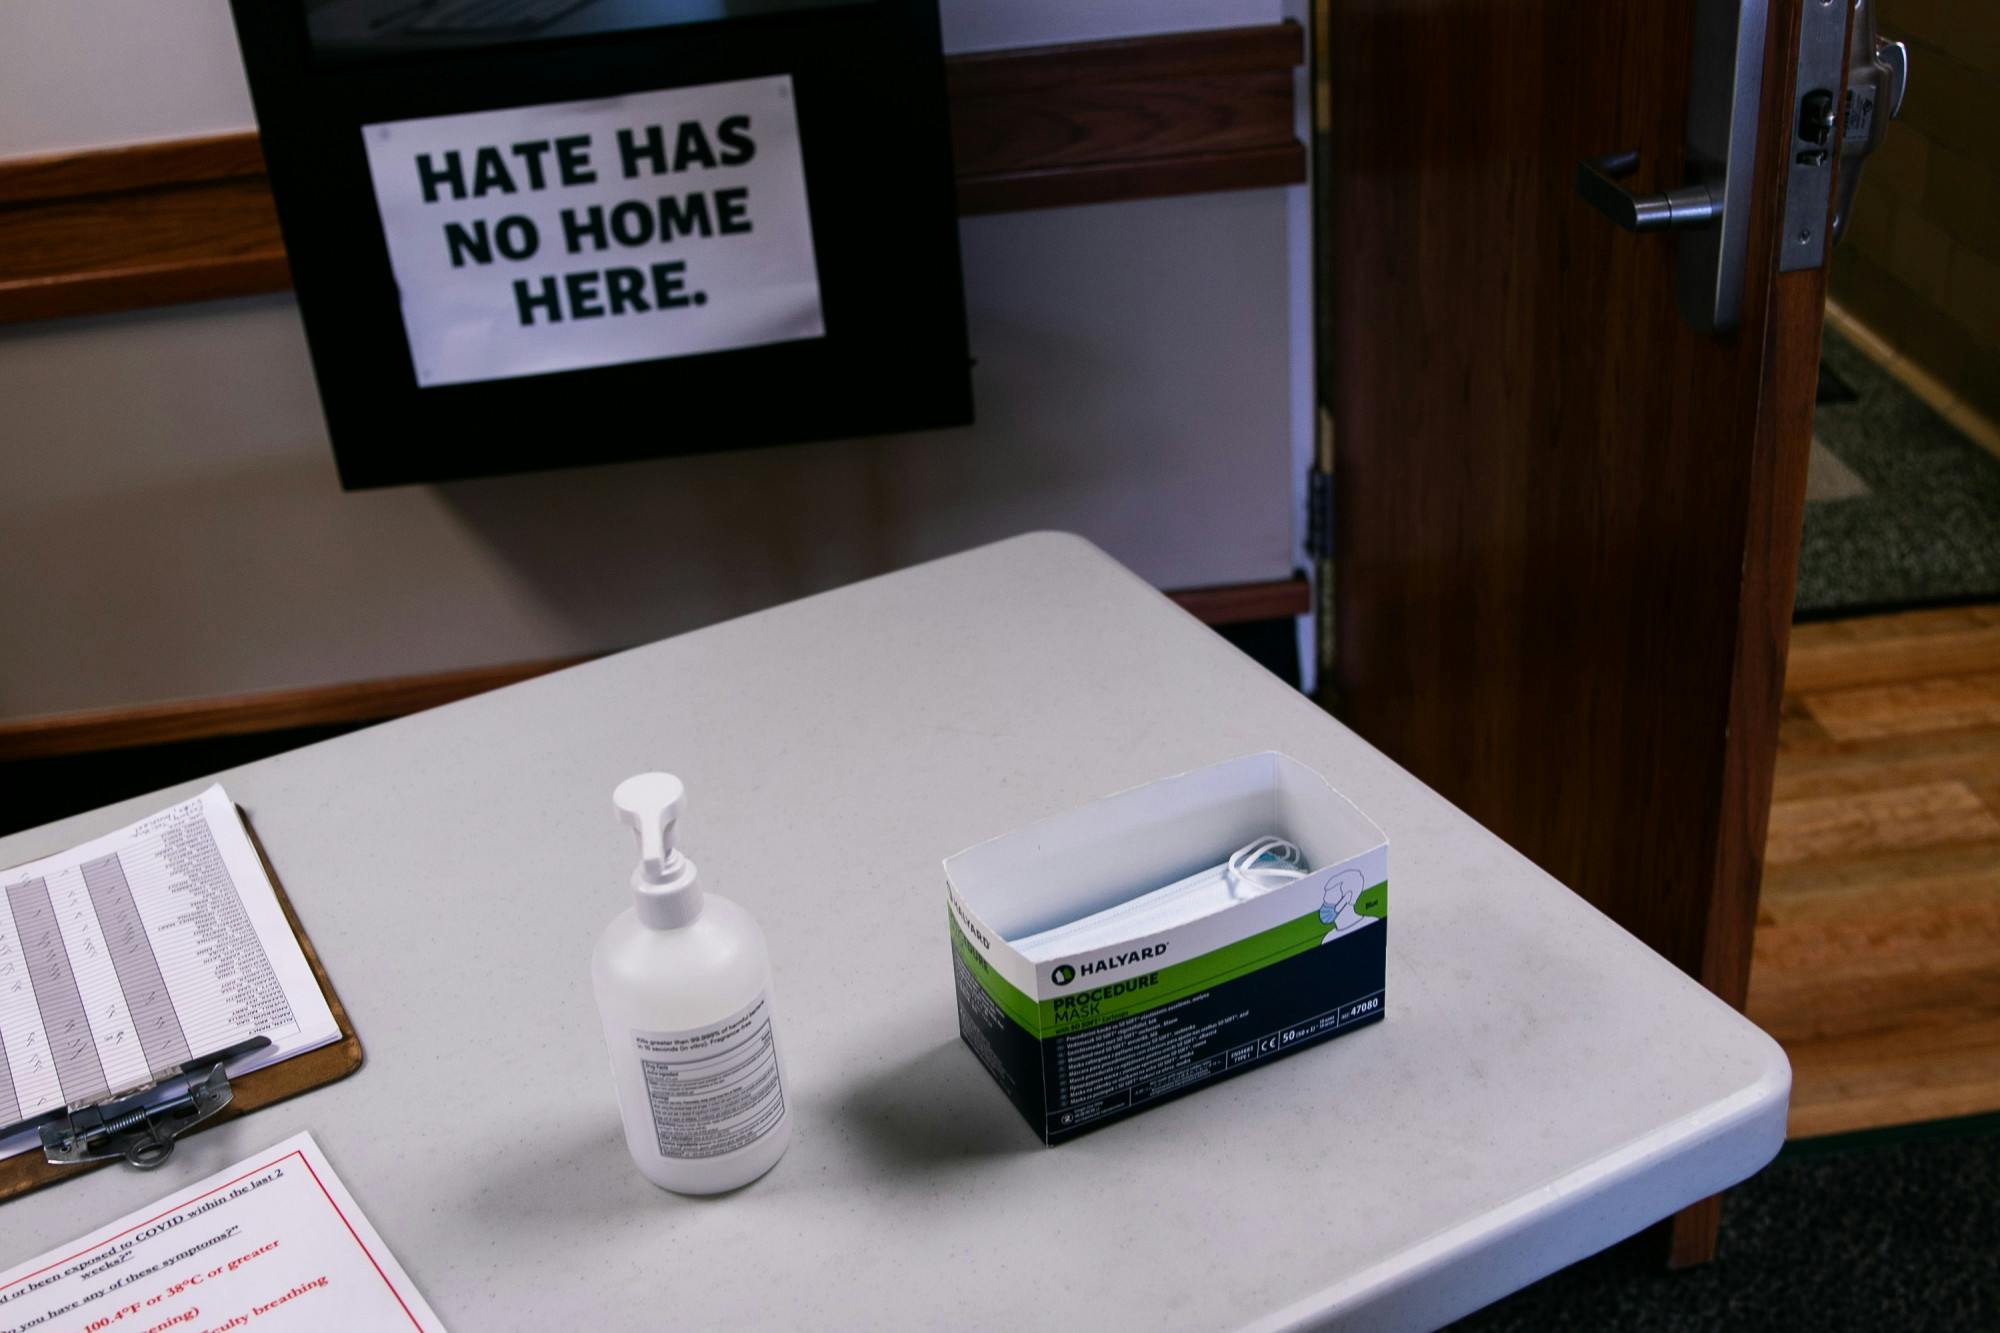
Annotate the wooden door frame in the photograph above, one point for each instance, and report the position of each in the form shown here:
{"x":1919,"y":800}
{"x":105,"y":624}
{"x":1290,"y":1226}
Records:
{"x":1764,"y":626}
{"x":1776,"y":515}
{"x":1708,"y":930}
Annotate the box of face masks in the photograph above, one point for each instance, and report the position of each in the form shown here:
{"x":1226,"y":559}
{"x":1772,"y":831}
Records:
{"x":1119,"y":954}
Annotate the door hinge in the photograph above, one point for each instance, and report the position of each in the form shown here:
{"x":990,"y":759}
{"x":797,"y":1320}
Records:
{"x":1319,"y":513}
{"x":1320,"y":547}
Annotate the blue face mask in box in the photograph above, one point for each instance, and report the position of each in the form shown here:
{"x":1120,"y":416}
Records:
{"x":1255,"y":869}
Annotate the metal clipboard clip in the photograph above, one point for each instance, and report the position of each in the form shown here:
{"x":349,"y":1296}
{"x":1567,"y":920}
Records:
{"x":140,"y":1125}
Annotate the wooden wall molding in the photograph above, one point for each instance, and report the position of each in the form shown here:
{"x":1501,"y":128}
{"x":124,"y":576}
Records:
{"x":101,"y":729}
{"x":139,"y":166}
{"x":1037,"y":127}
{"x":95,"y":729}
{"x":1178,"y":113}
{"x":1236,"y":603}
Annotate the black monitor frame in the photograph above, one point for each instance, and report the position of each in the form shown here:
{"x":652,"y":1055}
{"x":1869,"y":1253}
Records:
{"x":869,"y":89}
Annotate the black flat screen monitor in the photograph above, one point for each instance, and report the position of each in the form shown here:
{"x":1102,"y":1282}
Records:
{"x":540,"y":233}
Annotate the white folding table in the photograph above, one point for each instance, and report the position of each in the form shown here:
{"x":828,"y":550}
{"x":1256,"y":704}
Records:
{"x":1542,"y":1086}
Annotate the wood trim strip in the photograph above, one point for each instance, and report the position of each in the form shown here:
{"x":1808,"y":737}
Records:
{"x":1235,"y":603}
{"x":99,"y":729}
{"x":269,"y":710}
{"x":1038,"y":127}
{"x":1209,"y":51}
{"x":100,"y":291}
{"x":139,"y":166}
{"x":1108,"y":182}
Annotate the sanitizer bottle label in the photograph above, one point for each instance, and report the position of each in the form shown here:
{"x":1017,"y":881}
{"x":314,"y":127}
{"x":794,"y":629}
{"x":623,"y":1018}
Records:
{"x":714,"y":1089}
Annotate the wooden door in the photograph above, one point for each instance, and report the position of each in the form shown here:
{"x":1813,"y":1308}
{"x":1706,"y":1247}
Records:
{"x":1567,"y":522}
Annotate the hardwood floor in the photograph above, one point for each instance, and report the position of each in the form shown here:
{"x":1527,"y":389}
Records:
{"x":1877,"y":961}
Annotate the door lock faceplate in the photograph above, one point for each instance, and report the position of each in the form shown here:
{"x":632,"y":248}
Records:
{"x":1823,"y":130}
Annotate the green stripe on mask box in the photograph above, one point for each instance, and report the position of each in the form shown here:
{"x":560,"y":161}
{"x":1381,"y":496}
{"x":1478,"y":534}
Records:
{"x":1204,"y":971}
{"x":1169,"y":983}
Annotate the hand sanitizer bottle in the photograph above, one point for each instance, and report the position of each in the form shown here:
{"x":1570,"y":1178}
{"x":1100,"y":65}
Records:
{"x":683,"y":982}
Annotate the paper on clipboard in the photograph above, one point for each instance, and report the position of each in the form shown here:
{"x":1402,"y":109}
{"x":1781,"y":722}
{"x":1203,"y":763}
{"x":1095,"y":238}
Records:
{"x":138,"y":951}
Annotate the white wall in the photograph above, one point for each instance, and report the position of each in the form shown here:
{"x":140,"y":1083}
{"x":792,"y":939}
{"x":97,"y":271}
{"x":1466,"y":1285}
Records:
{"x":86,"y":73}
{"x":172,"y":526}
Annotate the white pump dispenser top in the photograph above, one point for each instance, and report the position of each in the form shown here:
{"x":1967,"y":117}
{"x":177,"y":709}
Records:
{"x":663,"y":885}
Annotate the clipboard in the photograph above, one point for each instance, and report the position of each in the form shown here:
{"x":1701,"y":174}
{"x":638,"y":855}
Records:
{"x":26,"y":1172}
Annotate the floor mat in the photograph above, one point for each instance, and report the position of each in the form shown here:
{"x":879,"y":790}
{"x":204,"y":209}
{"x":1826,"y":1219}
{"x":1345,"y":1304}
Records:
{"x":1879,"y":1230}
{"x":1902,"y":510}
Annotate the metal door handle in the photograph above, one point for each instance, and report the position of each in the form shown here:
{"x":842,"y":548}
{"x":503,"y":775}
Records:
{"x":1877,"y":77}
{"x":1597,"y":181}
{"x":1711,"y":211}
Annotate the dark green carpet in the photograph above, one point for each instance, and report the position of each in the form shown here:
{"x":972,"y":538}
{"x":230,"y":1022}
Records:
{"x":1927,"y":532}
{"x":1895,"y":1230}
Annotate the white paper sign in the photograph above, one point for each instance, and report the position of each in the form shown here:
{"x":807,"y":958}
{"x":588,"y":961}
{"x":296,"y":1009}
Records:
{"x":576,"y":234}
{"x":273,"y":1243}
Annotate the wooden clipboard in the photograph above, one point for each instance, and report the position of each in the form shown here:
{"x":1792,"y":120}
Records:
{"x":29,"y":1171}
